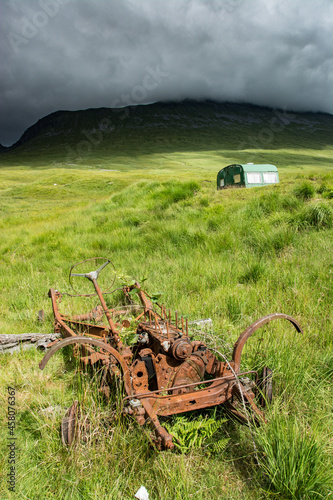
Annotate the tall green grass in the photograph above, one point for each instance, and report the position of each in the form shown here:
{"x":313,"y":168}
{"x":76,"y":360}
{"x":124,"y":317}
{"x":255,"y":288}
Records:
{"x":233,"y":256}
{"x":295,"y":458}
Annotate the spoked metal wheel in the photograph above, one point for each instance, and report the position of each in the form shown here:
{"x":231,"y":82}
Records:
{"x":70,"y":424}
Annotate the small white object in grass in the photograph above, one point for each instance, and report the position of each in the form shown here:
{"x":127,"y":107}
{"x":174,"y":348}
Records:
{"x":142,"y":494}
{"x":54,"y":184}
{"x":201,"y":322}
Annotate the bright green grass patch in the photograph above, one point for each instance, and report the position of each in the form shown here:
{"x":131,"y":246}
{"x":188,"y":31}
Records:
{"x":295,"y":459}
{"x":233,"y":256}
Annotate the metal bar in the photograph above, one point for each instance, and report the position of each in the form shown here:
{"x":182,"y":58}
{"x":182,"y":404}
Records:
{"x":157,"y":323}
{"x":140,"y":316}
{"x":227,"y":379}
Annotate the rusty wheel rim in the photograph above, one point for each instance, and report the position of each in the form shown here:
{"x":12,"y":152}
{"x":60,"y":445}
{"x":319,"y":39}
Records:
{"x":70,"y":424}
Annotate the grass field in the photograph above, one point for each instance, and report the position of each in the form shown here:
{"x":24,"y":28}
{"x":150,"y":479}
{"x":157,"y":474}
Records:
{"x":152,"y":207}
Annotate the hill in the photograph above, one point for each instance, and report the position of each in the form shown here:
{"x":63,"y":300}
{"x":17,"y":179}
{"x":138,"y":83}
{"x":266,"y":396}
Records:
{"x":122,"y":135}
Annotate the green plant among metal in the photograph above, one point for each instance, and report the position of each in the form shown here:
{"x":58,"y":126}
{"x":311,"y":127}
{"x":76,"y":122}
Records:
{"x":197,"y":433}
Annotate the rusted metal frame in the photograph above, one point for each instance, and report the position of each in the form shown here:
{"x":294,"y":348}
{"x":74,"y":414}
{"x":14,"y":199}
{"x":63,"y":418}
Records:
{"x":97,"y":343}
{"x":165,"y":437}
{"x":250,"y":399}
{"x":142,"y":296}
{"x":61,"y":321}
{"x":171,"y":405}
{"x":96,"y":314}
{"x":81,"y":317}
{"x":113,"y":328}
{"x":216,"y":394}
{"x":243,"y":417}
{"x":153,"y":331}
{"x":148,"y":307}
{"x":90,"y":329}
{"x":157,"y":323}
{"x":238,"y":347}
{"x":165,"y":406}
{"x":140,"y":316}
{"x":184,"y":386}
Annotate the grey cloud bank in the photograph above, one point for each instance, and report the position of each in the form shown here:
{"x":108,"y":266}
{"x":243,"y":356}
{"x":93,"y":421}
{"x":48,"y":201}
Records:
{"x":77,"y":54}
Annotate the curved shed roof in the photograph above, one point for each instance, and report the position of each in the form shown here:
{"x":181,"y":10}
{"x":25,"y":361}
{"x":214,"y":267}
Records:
{"x":250,"y":167}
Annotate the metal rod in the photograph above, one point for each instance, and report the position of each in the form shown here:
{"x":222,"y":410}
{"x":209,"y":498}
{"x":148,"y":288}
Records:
{"x":176,"y":318}
{"x":107,"y":313}
{"x":140,"y":316}
{"x":157,"y":323}
{"x":227,"y":379}
{"x":187,"y":327}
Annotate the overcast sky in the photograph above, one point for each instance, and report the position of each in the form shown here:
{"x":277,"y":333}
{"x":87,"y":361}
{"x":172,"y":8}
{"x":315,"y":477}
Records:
{"x":77,"y":54}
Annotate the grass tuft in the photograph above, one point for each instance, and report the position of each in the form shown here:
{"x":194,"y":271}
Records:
{"x":316,"y":215}
{"x":294,"y":459}
{"x":305,"y":190}
{"x":253,"y":274}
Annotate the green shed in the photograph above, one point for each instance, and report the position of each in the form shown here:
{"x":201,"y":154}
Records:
{"x":247,"y":175}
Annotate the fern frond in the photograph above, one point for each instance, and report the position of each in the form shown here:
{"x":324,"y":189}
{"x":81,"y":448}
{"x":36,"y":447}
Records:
{"x":193,"y":434}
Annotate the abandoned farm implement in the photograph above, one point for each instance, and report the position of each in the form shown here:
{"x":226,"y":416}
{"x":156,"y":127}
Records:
{"x":164,"y":372}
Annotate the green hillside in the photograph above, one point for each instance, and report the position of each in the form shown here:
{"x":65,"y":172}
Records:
{"x":189,"y":135}
{"x":145,"y":196}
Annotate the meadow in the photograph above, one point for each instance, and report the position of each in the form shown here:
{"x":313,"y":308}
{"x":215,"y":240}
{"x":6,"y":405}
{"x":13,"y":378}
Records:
{"x":232,"y":256}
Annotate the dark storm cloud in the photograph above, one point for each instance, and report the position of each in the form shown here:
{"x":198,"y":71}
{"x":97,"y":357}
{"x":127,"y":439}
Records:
{"x":76,"y":54}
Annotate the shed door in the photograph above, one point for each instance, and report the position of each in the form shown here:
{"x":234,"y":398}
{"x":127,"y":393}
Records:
{"x":230,"y":176}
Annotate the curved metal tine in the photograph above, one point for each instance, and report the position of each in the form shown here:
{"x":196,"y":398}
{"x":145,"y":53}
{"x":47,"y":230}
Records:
{"x":102,"y":267}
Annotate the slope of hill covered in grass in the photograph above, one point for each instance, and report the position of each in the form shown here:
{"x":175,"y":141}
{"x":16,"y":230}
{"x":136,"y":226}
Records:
{"x":189,"y":135}
{"x":152,"y":207}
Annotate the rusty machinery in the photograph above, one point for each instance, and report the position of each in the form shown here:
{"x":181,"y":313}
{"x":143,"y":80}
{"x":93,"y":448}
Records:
{"x":165,"y":372}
